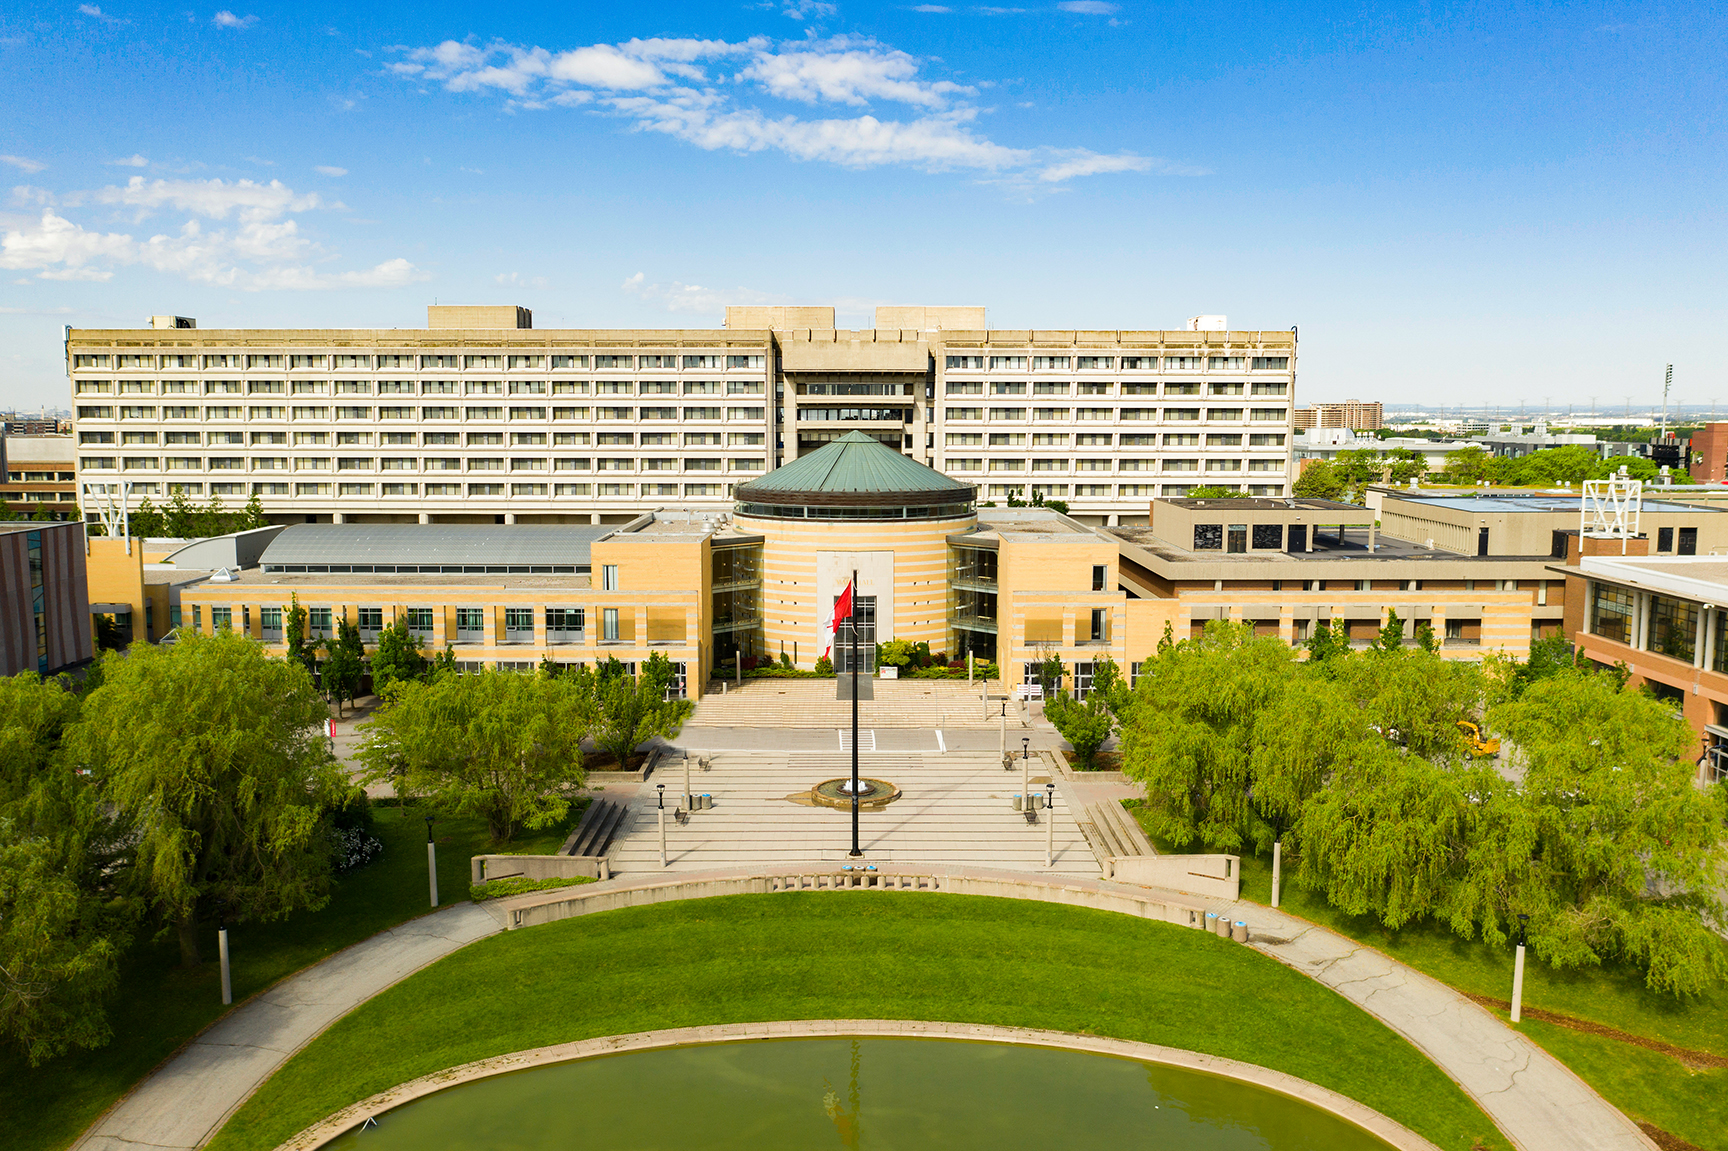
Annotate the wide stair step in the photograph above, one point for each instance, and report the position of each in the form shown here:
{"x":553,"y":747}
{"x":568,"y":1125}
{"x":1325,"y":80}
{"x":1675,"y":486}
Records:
{"x":1116,"y":833}
{"x":595,"y":833}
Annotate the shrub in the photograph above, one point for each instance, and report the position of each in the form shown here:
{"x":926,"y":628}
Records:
{"x":824,"y":666}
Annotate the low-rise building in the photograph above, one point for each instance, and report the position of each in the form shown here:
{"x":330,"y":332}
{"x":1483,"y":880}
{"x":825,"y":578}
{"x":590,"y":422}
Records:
{"x":1490,"y":523}
{"x":39,"y":473}
{"x":1665,"y":620}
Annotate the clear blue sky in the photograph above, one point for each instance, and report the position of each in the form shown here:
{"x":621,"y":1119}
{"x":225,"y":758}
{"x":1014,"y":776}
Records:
{"x":1456,"y":203}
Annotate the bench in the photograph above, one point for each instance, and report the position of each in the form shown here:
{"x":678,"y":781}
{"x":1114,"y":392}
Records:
{"x":1027,"y":691}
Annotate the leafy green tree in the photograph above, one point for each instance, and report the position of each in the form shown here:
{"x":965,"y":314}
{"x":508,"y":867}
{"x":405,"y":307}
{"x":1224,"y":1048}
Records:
{"x":1607,"y":845}
{"x":215,"y":754}
{"x":397,"y":658}
{"x":1405,"y":465}
{"x":897,"y":653}
{"x":824,"y":665}
{"x":253,"y":516}
{"x":496,"y":746}
{"x":1412,"y":698}
{"x":1319,"y":480}
{"x":1327,"y":640}
{"x":345,"y":662}
{"x":1391,"y":632}
{"x":631,"y":710}
{"x":1192,"y":739}
{"x":442,"y":663}
{"x":1469,"y":465}
{"x":294,"y":635}
{"x":211,"y":519}
{"x":1425,"y":637}
{"x":147,"y":521}
{"x":1216,"y":492}
{"x":1085,"y":724}
{"x":1050,"y":672}
{"x":550,"y":669}
{"x":180,"y":520}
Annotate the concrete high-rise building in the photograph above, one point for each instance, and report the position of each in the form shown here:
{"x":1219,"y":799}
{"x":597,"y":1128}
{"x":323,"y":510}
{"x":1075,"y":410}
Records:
{"x":1357,"y":415}
{"x":483,"y":418}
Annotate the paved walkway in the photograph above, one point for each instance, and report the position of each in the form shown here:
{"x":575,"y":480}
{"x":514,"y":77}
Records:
{"x":1534,"y":1098}
{"x":186,"y":1101}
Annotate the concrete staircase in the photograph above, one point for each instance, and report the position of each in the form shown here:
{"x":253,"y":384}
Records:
{"x":810,"y":703}
{"x":1112,"y":832}
{"x":594,"y":834}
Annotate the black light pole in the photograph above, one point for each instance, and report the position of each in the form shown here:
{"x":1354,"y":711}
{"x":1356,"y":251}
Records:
{"x":855,"y":852}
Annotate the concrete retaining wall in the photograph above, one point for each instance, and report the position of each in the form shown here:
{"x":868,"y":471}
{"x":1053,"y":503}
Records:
{"x":485,"y":868}
{"x":1208,"y":876}
{"x":548,"y":907}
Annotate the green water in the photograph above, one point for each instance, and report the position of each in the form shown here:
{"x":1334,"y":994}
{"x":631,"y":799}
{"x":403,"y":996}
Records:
{"x":873,"y":1094}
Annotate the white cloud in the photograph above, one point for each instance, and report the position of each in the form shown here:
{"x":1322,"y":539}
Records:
{"x":684,"y":88}
{"x":263,"y":250}
{"x":1090,"y":7}
{"x":132,"y":161}
{"x":227,"y":19}
{"x":328,"y":170}
{"x":693,"y":298}
{"x":931,"y":8}
{"x":805,"y":9}
{"x":23,"y":162}
{"x":96,"y":13}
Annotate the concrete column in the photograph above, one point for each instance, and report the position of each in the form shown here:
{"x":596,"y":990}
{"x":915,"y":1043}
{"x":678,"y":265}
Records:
{"x":509,"y":517}
{"x":338,"y":517}
{"x":642,"y":626}
{"x":593,"y":517}
{"x":1701,"y":637}
{"x":1707,"y":646}
{"x":1589,"y":627}
{"x":424,"y":518}
{"x":1643,"y":643}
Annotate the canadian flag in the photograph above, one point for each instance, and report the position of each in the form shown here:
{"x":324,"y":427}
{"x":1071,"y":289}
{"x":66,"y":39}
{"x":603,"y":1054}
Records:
{"x":842,"y":611}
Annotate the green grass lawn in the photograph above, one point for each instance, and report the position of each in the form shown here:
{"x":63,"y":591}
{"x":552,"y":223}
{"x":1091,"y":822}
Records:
{"x":1646,"y":1085}
{"x":159,"y":1005}
{"x":856,"y":955}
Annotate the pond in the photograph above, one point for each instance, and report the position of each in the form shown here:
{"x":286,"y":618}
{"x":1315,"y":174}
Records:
{"x":875,"y":1093}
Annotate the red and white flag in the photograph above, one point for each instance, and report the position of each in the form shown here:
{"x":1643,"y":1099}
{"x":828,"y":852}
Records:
{"x":842,"y":612}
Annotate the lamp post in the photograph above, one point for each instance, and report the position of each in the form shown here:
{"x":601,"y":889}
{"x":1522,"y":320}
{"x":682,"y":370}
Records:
{"x":1025,"y":765}
{"x":1002,"y":736}
{"x":1049,"y":825}
{"x":660,"y":793}
{"x":1518,"y":971}
{"x":431,"y":863}
{"x":222,"y":954}
{"x":689,"y":800}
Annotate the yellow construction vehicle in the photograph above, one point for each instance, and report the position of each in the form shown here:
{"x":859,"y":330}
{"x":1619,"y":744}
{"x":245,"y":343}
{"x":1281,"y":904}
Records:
{"x":1479,"y":746}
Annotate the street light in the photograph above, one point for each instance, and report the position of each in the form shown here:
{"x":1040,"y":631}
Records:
{"x":1518,"y":970}
{"x":660,"y":793}
{"x":1049,"y":825}
{"x":431,"y":863}
{"x":1025,"y":764}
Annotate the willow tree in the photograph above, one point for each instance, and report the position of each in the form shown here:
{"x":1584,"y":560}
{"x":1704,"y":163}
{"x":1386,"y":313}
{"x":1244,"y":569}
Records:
{"x":63,"y":926}
{"x":1607,"y":844}
{"x":1193,"y":737}
{"x":215,"y":754}
{"x":499,"y":746}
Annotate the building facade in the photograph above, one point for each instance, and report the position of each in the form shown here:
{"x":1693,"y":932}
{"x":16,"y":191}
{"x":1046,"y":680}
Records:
{"x":39,"y":474}
{"x":481,"y":418}
{"x":44,"y":603}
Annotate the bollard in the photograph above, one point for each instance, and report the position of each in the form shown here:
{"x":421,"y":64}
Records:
{"x":1518,"y":985}
{"x":1277,"y":868}
{"x":1239,"y":931}
{"x":1019,"y":803}
{"x":222,"y":951}
{"x":1212,"y":923}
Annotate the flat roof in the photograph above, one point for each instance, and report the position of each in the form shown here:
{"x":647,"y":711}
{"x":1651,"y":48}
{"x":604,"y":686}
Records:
{"x":494,"y":580}
{"x":1703,"y":578}
{"x":1267,"y":504}
{"x":1529,"y":503}
{"x":420,"y":545}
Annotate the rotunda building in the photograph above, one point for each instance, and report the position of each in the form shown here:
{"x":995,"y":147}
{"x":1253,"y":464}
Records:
{"x":853,"y":505}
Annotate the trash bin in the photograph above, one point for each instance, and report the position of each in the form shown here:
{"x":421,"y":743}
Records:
{"x":1212,"y":922}
{"x":1019,"y":802}
{"x":1239,"y":931}
{"x":707,"y":802}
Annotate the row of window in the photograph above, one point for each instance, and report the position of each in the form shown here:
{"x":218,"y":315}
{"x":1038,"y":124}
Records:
{"x":1226,"y":363}
{"x":430,"y":464}
{"x":1671,"y":628}
{"x":978,"y":464}
{"x":1104,"y":388}
{"x":421,"y":388}
{"x":322,"y":361}
{"x":429,"y":439}
{"x":1109,"y":415}
{"x":1106,"y":491}
{"x":1105,"y":439}
{"x":586,"y":490}
{"x":256,"y":412}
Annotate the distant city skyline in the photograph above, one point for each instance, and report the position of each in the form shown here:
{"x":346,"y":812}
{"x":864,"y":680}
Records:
{"x":1475,"y":203}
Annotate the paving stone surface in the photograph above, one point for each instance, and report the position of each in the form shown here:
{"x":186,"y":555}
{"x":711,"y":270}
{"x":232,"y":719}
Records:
{"x":956,"y":809}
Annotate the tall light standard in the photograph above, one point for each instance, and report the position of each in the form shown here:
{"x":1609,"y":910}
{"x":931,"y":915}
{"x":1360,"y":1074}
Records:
{"x":1518,"y":971}
{"x":1050,"y":825}
{"x":660,"y":793}
{"x":431,"y":863}
{"x":856,"y":852}
{"x":1025,"y":764}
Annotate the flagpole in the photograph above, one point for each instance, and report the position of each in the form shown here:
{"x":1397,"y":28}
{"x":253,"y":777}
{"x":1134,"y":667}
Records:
{"x":855,"y":852}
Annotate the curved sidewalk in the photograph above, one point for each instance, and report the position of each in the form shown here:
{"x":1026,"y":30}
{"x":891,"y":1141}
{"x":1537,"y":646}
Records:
{"x":185,"y":1102}
{"x":1538,"y":1103}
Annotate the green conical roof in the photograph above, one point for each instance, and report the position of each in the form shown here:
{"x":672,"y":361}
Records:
{"x":855,"y":469}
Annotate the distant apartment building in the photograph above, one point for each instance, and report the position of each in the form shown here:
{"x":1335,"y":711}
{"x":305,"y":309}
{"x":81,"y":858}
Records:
{"x":39,"y":472}
{"x":1357,"y":415}
{"x":1709,"y":452}
{"x":481,"y":418}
